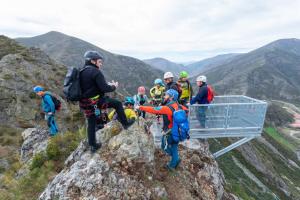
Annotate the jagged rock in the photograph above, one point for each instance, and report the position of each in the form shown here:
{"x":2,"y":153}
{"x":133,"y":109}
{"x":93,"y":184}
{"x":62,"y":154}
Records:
{"x":113,"y":128}
{"x":129,"y":167}
{"x":35,"y":141}
{"x":133,"y":146}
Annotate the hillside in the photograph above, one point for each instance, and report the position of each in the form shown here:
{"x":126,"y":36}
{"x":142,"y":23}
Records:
{"x":210,"y":63}
{"x":165,"y":65}
{"x":270,"y":72}
{"x":130,"y":72}
{"x":20,"y":70}
{"x":269,"y":166}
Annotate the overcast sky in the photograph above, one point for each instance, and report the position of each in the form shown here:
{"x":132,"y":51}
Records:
{"x":179,"y":30}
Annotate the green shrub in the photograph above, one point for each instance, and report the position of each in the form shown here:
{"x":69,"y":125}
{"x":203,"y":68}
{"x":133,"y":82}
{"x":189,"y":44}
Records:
{"x":61,"y":146}
{"x":38,"y":160}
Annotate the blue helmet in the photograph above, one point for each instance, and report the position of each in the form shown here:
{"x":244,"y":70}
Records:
{"x":158,"y":82}
{"x":172,"y":93}
{"x":38,"y":88}
{"x":129,"y":100}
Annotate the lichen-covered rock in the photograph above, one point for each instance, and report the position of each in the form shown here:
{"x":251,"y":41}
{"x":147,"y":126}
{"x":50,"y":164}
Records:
{"x":35,"y":141}
{"x":129,"y":167}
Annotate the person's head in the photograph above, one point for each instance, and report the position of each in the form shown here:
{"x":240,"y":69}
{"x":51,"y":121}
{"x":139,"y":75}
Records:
{"x":158,"y":82}
{"x":39,"y":90}
{"x":141,"y":90}
{"x":93,"y":58}
{"x":168,"y":77}
{"x":171,"y":95}
{"x":201,"y":80}
{"x":129,"y":102}
{"x":183,"y":75}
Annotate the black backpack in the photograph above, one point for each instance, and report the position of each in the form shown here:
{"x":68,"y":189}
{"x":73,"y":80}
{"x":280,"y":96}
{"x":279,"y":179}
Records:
{"x":56,"y":102}
{"x":72,"y":89}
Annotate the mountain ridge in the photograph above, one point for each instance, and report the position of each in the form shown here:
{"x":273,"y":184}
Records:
{"x":68,"y":50}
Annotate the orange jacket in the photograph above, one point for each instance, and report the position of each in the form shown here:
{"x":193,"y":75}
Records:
{"x":163,"y":110}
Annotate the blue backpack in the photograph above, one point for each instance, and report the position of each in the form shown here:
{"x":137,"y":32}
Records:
{"x":181,"y":128}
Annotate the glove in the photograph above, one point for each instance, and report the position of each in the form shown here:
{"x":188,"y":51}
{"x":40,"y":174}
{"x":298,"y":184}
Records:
{"x":137,"y":107}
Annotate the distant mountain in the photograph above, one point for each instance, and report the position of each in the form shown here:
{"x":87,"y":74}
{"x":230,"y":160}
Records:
{"x":270,"y":72}
{"x":130,"y":72}
{"x":210,"y":63}
{"x":165,"y":65}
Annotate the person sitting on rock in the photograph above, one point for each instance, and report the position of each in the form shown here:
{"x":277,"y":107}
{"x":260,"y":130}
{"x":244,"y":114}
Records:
{"x":168,"y":143}
{"x":94,"y":87}
{"x":157,"y":92}
{"x":129,"y":111}
{"x":140,"y":99}
{"x":48,"y":107}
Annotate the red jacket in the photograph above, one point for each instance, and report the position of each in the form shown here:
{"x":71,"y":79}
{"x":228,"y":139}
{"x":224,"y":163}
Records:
{"x":163,"y":110}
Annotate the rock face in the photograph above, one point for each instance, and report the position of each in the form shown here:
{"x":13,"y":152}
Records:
{"x":20,"y":70}
{"x":35,"y":141}
{"x":129,"y":167}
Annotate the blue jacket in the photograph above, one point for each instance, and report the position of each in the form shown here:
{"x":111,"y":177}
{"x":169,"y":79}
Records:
{"x":201,"y":97}
{"x":47,"y":103}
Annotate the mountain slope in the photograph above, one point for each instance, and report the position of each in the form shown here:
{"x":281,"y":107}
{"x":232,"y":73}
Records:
{"x":269,"y":166}
{"x":130,"y":72}
{"x":165,"y":65}
{"x":210,"y":63}
{"x":270,"y":72}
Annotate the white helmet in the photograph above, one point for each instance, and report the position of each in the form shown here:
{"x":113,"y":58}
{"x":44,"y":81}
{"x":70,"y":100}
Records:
{"x":201,"y":78}
{"x":168,"y":75}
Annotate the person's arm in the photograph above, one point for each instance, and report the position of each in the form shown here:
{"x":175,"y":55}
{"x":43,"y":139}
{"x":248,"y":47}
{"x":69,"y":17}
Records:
{"x":202,"y":92}
{"x":102,"y":85}
{"x":190,"y":90}
{"x":152,"y":92}
{"x":48,"y":100}
{"x":161,"y":110}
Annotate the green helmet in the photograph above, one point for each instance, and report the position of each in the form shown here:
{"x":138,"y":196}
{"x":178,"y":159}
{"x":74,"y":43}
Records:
{"x":183,"y":74}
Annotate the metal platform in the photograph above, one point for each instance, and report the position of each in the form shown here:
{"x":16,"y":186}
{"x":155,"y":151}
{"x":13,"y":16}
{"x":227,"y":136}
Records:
{"x":228,"y":116}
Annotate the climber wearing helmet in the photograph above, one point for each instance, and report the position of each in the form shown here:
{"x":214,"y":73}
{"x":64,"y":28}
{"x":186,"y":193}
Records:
{"x":140,"y":99}
{"x":187,"y":90}
{"x":170,"y":84}
{"x":129,"y":110}
{"x":94,"y":87}
{"x":201,"y":98}
{"x":171,"y":97}
{"x":48,"y":107}
{"x":157,"y":92}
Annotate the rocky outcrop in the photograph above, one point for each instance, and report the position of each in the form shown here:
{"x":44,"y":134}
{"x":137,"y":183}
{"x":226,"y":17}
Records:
{"x":35,"y":141}
{"x":129,"y":167}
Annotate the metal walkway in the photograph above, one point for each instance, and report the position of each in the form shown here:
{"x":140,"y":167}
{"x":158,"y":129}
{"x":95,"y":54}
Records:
{"x":228,"y":116}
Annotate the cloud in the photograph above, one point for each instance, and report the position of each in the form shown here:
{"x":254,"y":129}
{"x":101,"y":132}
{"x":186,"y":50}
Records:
{"x":175,"y":29}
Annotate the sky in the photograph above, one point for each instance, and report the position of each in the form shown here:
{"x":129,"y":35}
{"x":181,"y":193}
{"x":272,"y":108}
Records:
{"x":179,"y":30}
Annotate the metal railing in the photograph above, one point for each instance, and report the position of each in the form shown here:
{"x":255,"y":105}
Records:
{"x":228,"y":116}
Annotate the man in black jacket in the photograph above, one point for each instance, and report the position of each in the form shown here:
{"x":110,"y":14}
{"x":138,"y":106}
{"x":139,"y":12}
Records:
{"x":94,"y":87}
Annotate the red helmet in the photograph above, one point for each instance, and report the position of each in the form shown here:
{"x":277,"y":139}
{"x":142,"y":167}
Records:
{"x":141,"y":90}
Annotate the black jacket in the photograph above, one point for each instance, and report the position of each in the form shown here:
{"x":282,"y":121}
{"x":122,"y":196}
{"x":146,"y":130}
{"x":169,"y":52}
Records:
{"x":201,"y":97}
{"x":92,"y":82}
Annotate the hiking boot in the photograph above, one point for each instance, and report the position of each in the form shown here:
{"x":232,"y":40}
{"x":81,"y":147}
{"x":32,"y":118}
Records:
{"x":95,"y":147}
{"x":171,"y":169}
{"x":179,"y":161}
{"x":128,"y":124}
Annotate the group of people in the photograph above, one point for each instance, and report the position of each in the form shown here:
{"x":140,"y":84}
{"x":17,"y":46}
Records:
{"x":166,"y":97}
